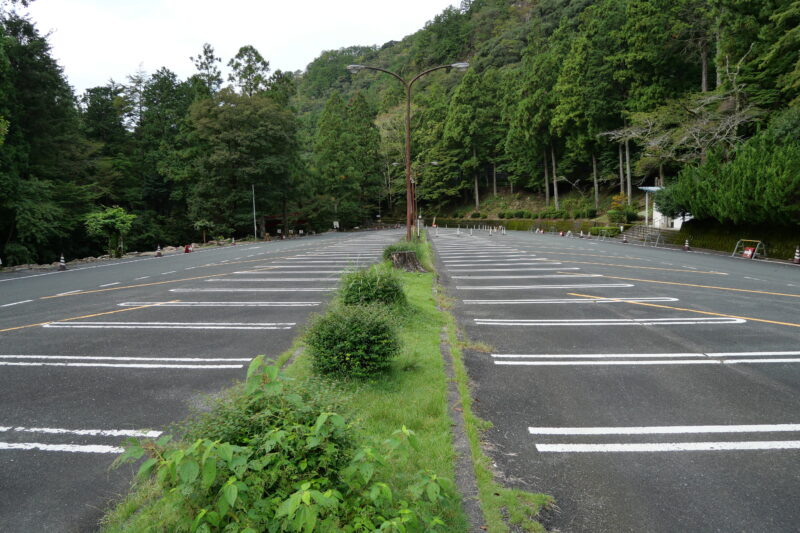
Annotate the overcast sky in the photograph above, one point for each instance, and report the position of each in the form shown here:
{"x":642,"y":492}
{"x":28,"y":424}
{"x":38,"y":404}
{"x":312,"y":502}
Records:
{"x":96,"y":40}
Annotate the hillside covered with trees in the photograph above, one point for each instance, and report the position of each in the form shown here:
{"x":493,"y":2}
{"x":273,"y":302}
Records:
{"x":561,"y":96}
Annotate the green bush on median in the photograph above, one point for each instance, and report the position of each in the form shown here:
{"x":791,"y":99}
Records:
{"x":352,"y":341}
{"x":376,"y":285}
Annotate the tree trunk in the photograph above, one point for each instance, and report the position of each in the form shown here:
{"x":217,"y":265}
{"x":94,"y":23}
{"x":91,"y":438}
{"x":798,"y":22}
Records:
{"x":621,"y":172}
{"x":285,"y":219}
{"x":628,"y":169}
{"x":494,"y":177}
{"x":477,"y":199}
{"x":546,"y":182}
{"x":594,"y":178}
{"x":718,"y":62}
{"x":704,"y":68}
{"x":661,"y":174}
{"x":408,"y":261}
{"x":555,"y":176}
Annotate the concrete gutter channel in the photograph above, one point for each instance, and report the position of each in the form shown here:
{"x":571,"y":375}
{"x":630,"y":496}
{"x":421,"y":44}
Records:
{"x":464,"y":467}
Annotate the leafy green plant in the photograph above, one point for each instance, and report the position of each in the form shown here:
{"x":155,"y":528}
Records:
{"x":476,"y":214}
{"x":378,"y":284}
{"x":293,"y":466}
{"x":354,"y":341}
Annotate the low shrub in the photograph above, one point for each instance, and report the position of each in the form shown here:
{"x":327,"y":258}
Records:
{"x":476,"y":214}
{"x":352,"y":341}
{"x":519,"y":213}
{"x":483,"y":216}
{"x":610,"y":231}
{"x":501,"y":214}
{"x":374,"y":285}
{"x":291,"y":465}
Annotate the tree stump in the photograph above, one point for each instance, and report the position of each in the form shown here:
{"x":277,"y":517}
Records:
{"x":408,"y":261}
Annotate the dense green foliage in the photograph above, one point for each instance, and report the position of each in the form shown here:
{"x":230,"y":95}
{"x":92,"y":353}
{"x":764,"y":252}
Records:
{"x":274,"y":456}
{"x":561,"y":96}
{"x":375,"y":285}
{"x":355,"y":341}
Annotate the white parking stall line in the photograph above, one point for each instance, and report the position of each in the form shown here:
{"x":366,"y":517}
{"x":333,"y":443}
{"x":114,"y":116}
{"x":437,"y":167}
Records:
{"x":669,"y":447}
{"x":530,"y":287}
{"x":551,"y":301}
{"x":664,"y":430}
{"x":246,"y":280}
{"x":262,"y":272}
{"x":511,"y":269}
{"x":545,"y":263}
{"x":16,"y":303}
{"x":73,"y":448}
{"x":145,"y":277}
{"x":220,"y":304}
{"x":597,"y":355}
{"x":528,"y":258}
{"x":86,"y":432}
{"x":173,"y":325}
{"x":118,"y":358}
{"x":532,"y":276}
{"x":170,"y":272}
{"x":110,"y":284}
{"x":687,"y":321}
{"x":620,"y":359}
{"x":259,"y":289}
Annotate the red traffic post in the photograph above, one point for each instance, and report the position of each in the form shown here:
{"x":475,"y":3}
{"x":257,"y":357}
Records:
{"x":158,"y":251}
{"x":686,"y":246}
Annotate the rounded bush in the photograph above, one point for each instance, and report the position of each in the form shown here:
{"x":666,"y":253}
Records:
{"x":354,"y":341}
{"x":375,"y":285}
{"x":476,"y":214}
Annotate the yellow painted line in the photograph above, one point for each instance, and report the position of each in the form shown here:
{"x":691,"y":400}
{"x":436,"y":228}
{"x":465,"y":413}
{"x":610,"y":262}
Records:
{"x":752,"y":291}
{"x":638,"y":267}
{"x":87,"y":316}
{"x":792,"y":324}
{"x":93,"y":291}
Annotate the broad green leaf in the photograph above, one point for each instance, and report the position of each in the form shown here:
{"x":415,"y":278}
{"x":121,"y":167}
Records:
{"x":188,"y":470}
{"x":230,"y":492}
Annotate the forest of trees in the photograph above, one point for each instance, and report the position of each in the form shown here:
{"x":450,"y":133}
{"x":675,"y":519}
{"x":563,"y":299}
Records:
{"x":562,"y":95}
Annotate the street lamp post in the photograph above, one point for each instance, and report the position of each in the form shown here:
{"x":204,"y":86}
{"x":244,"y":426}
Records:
{"x":408,"y":84}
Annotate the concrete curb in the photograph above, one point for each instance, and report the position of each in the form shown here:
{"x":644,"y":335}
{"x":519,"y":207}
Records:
{"x":464,"y":467}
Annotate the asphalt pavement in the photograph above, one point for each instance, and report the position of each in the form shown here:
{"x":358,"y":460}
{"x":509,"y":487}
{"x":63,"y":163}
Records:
{"x":100,"y":353}
{"x":647,"y":390}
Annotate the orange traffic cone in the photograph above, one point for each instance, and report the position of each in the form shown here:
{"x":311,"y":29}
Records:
{"x":796,"y":259}
{"x":158,"y":251}
{"x":686,"y":246}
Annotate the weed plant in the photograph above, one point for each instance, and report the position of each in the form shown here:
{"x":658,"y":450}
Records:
{"x":286,"y":463}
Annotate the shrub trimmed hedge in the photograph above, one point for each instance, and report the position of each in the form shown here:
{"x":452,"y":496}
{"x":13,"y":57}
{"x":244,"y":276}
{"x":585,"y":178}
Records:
{"x":355,"y":341}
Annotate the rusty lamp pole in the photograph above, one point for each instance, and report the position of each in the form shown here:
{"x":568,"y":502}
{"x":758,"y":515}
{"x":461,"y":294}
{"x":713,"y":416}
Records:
{"x":408,"y":84}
